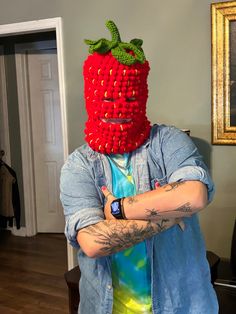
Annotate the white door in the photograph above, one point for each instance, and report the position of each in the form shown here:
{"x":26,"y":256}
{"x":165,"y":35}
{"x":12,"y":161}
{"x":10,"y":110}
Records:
{"x":47,"y":138}
{"x":47,"y":145}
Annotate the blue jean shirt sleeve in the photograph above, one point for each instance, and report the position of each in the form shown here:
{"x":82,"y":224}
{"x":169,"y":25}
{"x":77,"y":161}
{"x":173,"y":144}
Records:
{"x":79,"y":197}
{"x":183,"y":161}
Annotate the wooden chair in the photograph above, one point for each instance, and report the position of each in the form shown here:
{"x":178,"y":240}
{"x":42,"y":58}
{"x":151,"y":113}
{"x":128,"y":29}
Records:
{"x":72,"y":278}
{"x":225,"y":282}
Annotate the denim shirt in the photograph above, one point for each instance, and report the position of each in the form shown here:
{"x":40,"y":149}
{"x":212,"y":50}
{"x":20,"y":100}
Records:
{"x":179,"y":268}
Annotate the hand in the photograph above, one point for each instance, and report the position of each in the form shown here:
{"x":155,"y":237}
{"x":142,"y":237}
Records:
{"x":108,"y":199}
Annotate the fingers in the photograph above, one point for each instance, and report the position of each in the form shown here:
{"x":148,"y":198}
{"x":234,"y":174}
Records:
{"x":157,"y":185}
{"x":105,"y":191}
{"x":107,"y":203}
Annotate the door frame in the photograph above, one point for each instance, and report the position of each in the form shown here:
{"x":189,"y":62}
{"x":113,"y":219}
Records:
{"x":3,"y":108}
{"x":36,"y":26}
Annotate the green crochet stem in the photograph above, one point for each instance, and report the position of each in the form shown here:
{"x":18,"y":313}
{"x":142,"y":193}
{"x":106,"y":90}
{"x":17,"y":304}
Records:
{"x":118,"y":48}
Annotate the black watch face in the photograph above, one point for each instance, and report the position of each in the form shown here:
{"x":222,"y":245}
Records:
{"x":115,"y":207}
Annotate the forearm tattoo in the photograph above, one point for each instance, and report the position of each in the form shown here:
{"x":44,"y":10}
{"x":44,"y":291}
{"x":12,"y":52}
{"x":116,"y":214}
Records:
{"x":115,"y":236}
{"x":186,"y":208}
{"x":173,"y":186}
{"x":155,"y":213}
{"x":131,"y":200}
{"x":152,"y":213}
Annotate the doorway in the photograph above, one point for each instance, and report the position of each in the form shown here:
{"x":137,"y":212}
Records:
{"x":42,"y":123}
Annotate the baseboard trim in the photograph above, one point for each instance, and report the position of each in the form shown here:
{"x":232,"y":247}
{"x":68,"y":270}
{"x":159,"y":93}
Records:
{"x":18,"y":232}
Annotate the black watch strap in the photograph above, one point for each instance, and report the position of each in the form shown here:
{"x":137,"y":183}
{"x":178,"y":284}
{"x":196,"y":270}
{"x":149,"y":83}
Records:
{"x":117,"y":208}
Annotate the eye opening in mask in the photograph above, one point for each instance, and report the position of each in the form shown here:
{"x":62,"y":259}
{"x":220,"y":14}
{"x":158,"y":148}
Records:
{"x":129,"y":99}
{"x":108,"y":99}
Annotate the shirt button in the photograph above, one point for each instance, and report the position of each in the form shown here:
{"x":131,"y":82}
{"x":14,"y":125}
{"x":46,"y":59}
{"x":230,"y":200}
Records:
{"x":109,"y":287}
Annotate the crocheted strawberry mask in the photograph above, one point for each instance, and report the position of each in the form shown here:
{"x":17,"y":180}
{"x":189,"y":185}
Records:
{"x":116,"y":91}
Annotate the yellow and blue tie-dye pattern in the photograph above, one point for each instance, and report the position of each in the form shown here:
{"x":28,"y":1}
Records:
{"x":130,"y":268}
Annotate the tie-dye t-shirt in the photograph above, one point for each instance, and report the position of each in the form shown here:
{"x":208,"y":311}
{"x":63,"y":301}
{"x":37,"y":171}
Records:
{"x":131,"y":275}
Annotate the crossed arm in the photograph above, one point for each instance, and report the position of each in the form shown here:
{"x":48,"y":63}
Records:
{"x":147,"y":214}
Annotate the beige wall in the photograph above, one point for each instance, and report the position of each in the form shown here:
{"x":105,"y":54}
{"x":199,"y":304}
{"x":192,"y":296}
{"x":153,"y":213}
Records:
{"x":177,"y":42}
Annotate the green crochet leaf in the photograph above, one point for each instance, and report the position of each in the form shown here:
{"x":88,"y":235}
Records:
{"x":122,"y":56}
{"x":91,"y":42}
{"x":115,"y":35}
{"x":137,"y":42}
{"x":139,"y":55}
{"x":120,"y":50}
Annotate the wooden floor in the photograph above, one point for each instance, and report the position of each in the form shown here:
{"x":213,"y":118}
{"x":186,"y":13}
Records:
{"x":31,"y":274}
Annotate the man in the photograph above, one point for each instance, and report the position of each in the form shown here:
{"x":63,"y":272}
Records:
{"x":131,"y":195}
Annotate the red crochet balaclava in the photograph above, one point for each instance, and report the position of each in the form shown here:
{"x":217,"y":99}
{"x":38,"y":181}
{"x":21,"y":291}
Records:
{"x":116,"y":91}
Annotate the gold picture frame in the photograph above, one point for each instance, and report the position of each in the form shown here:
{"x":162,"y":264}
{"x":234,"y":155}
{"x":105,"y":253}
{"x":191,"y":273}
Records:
{"x":223,"y":72}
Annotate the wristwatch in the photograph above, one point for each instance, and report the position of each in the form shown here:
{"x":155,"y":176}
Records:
{"x":117,"y":208}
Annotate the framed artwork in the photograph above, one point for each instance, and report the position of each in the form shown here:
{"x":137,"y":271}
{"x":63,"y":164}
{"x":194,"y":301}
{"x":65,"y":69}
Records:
{"x":224,"y":72}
